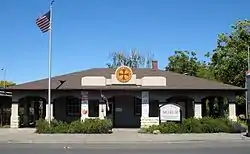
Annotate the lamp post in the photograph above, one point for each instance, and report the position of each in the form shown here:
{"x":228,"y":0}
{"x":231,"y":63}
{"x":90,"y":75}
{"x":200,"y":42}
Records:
{"x":4,"y":77}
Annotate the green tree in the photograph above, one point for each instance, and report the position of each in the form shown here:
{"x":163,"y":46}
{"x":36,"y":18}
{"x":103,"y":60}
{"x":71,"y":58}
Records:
{"x":183,"y":62}
{"x":6,"y":84}
{"x":134,"y":59}
{"x":229,"y":59}
{"x":186,"y":62}
{"x":205,"y":70}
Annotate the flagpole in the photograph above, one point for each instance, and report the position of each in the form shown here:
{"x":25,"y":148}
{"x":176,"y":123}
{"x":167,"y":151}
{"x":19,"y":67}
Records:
{"x":49,"y":61}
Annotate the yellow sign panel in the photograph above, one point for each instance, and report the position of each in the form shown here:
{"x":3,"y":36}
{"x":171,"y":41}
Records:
{"x":123,"y":74}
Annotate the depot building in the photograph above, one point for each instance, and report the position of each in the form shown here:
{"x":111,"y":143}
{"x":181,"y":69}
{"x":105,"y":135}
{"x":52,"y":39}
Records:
{"x":130,"y":97}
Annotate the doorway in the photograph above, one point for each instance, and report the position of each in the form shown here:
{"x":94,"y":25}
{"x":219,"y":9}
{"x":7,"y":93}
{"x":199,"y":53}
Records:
{"x":124,"y":112}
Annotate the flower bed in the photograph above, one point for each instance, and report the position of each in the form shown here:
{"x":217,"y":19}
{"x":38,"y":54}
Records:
{"x":89,"y":126}
{"x":192,"y":125}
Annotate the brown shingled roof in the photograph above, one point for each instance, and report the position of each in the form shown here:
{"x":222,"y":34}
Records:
{"x":174,"y":81}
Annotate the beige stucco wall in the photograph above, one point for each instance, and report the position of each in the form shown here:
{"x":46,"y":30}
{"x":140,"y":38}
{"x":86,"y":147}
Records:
{"x":103,"y":81}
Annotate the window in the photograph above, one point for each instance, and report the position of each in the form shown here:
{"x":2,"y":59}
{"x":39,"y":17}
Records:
{"x":73,"y":106}
{"x":153,"y":108}
{"x":137,"y":106}
{"x":93,"y":108}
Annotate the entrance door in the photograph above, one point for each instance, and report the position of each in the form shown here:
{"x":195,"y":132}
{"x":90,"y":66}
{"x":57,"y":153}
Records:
{"x":124,"y":112}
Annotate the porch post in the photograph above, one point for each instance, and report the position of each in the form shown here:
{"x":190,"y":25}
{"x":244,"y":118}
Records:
{"x":145,"y":104}
{"x":198,"y":110}
{"x":84,"y":105}
{"x":51,"y":111}
{"x":14,"y":118}
{"x":232,"y":111}
{"x":144,"y":108}
{"x":102,"y":109}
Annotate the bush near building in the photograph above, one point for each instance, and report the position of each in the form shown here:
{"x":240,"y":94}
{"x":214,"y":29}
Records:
{"x":89,"y":126}
{"x":192,"y":125}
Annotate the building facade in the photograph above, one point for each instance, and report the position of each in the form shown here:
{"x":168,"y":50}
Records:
{"x":129,"y":97}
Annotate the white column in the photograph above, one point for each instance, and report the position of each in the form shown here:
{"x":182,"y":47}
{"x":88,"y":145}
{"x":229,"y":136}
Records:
{"x":232,"y":111}
{"x":102,"y":110}
{"x":51,"y":111}
{"x":145,"y":104}
{"x":84,"y":105}
{"x":145,"y":120}
{"x":14,"y":118}
{"x":198,"y":110}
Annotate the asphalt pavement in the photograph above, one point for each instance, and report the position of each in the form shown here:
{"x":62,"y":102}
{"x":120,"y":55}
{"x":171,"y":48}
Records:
{"x":240,"y":147}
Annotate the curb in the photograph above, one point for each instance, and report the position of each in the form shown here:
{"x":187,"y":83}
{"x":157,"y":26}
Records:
{"x":120,"y":142}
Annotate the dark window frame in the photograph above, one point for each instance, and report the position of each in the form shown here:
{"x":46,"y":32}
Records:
{"x":137,"y":106}
{"x":153,"y":104}
{"x":93,"y":107}
{"x":73,"y":107}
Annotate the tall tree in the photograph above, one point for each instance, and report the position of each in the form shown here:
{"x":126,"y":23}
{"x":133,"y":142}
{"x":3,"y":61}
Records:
{"x":134,"y":59}
{"x":205,"y":69}
{"x":183,"y":62}
{"x":186,"y":62}
{"x":229,"y":59}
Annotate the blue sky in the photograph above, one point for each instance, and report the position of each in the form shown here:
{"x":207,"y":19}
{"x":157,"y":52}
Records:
{"x":86,"y":31}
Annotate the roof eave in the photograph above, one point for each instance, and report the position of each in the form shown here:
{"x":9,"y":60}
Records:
{"x":133,"y":88}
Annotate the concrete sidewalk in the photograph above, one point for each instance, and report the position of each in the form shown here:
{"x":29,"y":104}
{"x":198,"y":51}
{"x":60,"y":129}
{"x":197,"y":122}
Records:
{"x":120,"y":136}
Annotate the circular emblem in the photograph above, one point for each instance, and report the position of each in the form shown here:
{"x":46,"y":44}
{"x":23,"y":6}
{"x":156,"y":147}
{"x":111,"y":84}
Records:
{"x":123,"y":74}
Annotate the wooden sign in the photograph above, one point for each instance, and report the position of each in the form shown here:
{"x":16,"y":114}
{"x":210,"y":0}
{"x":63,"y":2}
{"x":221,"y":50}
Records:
{"x":170,"y":112}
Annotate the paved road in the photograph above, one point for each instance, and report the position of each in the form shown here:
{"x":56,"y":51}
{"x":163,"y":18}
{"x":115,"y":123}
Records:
{"x":173,"y":148}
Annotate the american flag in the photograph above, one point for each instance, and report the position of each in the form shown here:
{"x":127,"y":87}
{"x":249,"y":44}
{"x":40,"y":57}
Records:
{"x":43,"y":22}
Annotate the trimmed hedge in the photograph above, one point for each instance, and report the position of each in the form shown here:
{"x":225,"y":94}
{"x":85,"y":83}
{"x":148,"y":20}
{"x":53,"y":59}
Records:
{"x":89,"y":126}
{"x":192,"y":125}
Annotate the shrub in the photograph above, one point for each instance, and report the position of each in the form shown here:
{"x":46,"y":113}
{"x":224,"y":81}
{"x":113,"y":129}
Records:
{"x":243,"y":122}
{"x":238,"y":128}
{"x":89,"y":126}
{"x":191,"y":125}
{"x":210,"y":125}
{"x":42,"y":126}
{"x":151,"y":129}
{"x":170,"y":127}
{"x":204,"y":125}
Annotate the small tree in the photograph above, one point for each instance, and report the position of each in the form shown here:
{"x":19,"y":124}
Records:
{"x":134,"y":59}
